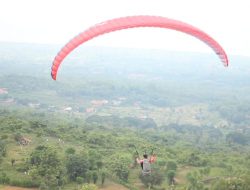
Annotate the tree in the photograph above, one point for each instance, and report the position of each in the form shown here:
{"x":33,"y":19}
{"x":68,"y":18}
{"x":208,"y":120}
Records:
{"x":88,"y":176}
{"x":70,"y":151}
{"x":235,"y":183}
{"x":118,"y":164}
{"x":171,"y":165}
{"x":37,"y":124}
{"x":77,"y":166}
{"x":3,"y":149}
{"x":13,"y":162}
{"x":195,"y":160}
{"x":236,"y":137}
{"x":122,"y":171}
{"x":155,"y":178}
{"x":15,"y":124}
{"x":103,"y":177}
{"x":17,"y":137}
{"x":79,"y":181}
{"x":46,"y":167}
{"x":95,"y":176}
{"x":194,"y":181}
{"x":4,"y":179}
{"x":99,"y":164}
{"x":170,"y":176}
{"x":95,"y":160}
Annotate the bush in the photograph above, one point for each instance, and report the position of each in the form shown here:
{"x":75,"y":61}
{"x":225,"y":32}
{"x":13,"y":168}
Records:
{"x":89,"y":187}
{"x":155,"y":178}
{"x":70,"y":150}
{"x":171,"y":165}
{"x":4,"y":179}
{"x":79,"y":180}
{"x":3,"y":150}
{"x":43,"y":186}
{"x":24,"y":183}
{"x":22,"y":167}
{"x":17,"y":137}
{"x":3,"y":137}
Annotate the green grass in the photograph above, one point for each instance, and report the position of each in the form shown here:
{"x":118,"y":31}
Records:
{"x":215,"y":171}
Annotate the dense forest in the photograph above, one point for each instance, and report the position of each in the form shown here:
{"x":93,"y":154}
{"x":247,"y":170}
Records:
{"x":84,"y":131}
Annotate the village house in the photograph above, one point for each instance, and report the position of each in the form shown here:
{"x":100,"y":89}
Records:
{"x":68,"y":109}
{"x":90,"y":110}
{"x":98,"y":103}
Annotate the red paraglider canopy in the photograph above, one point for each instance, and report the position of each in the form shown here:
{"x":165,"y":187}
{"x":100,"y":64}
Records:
{"x":133,"y":22}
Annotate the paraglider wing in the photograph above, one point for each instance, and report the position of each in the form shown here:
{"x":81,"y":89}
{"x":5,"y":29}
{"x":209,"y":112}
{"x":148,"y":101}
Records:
{"x":133,"y":22}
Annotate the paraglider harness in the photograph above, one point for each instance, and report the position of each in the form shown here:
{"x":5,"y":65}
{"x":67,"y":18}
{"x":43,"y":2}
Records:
{"x":145,"y":164}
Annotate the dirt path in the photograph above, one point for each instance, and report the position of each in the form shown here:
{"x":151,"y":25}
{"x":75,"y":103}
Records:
{"x":113,"y":186}
{"x":16,"y":188}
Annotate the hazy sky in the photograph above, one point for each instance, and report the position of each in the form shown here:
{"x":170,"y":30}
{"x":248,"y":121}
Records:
{"x":58,"y":21}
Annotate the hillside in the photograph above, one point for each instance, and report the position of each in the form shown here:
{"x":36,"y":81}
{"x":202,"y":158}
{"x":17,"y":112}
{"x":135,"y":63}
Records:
{"x":108,"y":103}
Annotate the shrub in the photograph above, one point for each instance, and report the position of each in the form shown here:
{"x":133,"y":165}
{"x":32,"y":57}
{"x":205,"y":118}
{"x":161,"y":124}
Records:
{"x":4,"y":179}
{"x":24,"y":183}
